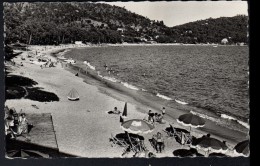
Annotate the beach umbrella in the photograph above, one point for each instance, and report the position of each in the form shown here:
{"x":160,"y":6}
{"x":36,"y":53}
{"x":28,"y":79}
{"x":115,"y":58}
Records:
{"x":73,"y":95}
{"x":242,"y":148}
{"x":186,"y":152}
{"x":125,"y":110}
{"x":210,"y":144}
{"x":136,"y":126}
{"x":191,"y":120}
{"x":217,"y":155}
{"x":26,"y":154}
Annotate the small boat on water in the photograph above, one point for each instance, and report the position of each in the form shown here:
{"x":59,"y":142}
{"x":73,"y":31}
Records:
{"x":215,"y":46}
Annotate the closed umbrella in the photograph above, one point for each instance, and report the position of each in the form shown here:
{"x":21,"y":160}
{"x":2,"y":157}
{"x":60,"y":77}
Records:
{"x":191,"y":120}
{"x":242,"y":148}
{"x":125,"y":110}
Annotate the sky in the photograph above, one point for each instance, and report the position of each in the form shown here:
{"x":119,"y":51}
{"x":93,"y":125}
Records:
{"x":180,"y":12}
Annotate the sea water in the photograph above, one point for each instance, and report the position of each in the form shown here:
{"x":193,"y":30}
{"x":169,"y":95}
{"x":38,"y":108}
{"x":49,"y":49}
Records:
{"x":212,"y":79}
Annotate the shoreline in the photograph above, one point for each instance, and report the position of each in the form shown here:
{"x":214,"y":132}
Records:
{"x":148,"y":100}
{"x":111,"y":95}
{"x":222,"y":118}
{"x":145,"y":98}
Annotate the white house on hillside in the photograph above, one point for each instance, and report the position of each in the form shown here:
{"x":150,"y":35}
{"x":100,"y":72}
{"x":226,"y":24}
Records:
{"x":224,"y":41}
{"x":78,"y":42}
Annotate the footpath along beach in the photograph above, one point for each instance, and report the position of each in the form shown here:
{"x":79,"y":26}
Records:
{"x":83,"y":127}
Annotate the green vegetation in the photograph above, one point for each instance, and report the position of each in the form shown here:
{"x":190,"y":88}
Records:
{"x":56,"y":22}
{"x":212,"y":30}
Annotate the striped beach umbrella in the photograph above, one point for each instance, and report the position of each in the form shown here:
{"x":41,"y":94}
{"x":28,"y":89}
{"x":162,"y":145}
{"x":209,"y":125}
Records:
{"x":191,"y":120}
{"x":26,"y":154}
{"x":242,"y":148}
{"x":210,"y":144}
{"x":137,"y":126}
{"x":73,"y":95}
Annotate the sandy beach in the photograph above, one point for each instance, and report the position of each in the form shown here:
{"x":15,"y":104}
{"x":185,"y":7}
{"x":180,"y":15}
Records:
{"x":83,"y":127}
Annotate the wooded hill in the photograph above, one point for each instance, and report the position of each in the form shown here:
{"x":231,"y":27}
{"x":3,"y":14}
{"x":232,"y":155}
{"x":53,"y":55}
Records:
{"x":60,"y":22}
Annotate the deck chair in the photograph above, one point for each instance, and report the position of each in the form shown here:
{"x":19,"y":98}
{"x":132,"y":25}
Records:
{"x":138,"y":147}
{"x":170,"y":131}
{"x":116,"y":142}
{"x":183,"y":138}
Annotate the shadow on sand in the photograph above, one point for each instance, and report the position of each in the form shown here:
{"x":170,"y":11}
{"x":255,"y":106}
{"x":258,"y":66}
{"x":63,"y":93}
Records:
{"x":18,"y":87}
{"x":18,"y":145}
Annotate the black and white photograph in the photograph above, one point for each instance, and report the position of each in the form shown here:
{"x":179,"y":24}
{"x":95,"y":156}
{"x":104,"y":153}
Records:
{"x":126,"y":79}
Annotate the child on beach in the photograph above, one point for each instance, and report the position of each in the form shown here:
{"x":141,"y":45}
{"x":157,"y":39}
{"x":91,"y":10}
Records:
{"x":163,"y":110}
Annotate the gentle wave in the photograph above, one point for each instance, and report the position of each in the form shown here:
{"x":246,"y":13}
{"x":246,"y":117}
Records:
{"x":232,"y":118}
{"x":89,"y":65}
{"x":63,"y":52}
{"x":129,"y":86}
{"x":223,"y":116}
{"x":181,"y":102}
{"x":205,"y":116}
{"x":70,"y":61}
{"x":112,"y":79}
{"x":227,"y":117}
{"x":164,"y":97}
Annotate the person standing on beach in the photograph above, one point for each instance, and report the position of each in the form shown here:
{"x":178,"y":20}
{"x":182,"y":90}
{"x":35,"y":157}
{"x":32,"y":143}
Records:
{"x":159,"y":142}
{"x":106,"y":67}
{"x":150,"y":116}
{"x":163,"y":111}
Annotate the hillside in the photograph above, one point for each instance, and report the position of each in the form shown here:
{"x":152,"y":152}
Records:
{"x":56,"y":22}
{"x":213,"y":30}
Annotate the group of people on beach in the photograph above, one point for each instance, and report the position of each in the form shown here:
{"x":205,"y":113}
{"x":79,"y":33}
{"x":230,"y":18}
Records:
{"x":157,"y":140}
{"x":156,"y":117}
{"x":15,"y":124}
{"x":49,"y":63}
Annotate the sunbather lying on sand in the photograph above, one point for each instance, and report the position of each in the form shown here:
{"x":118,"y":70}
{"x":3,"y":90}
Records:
{"x":115,"y":111}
